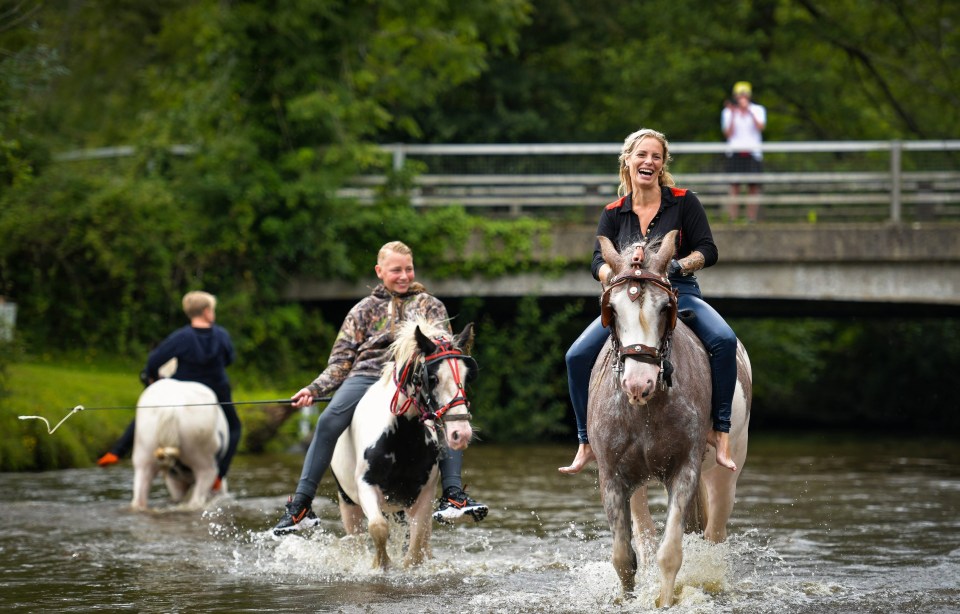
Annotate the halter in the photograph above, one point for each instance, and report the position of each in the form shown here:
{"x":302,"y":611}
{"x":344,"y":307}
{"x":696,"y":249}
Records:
{"x":634,"y":278}
{"x":414,"y":382}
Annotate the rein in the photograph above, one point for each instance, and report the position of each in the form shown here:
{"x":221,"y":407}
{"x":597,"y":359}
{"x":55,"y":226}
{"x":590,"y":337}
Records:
{"x":413,"y":382}
{"x":633,"y":279}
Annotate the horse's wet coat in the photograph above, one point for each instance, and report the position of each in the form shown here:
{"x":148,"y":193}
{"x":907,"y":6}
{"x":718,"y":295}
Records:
{"x":641,"y":431}
{"x":400,"y":462}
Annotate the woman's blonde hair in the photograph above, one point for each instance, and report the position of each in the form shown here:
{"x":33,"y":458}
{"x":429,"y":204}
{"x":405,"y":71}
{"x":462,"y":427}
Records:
{"x":194,"y":303}
{"x":629,"y":144}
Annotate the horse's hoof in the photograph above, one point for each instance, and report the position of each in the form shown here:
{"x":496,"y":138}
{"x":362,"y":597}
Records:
{"x":625,"y":597}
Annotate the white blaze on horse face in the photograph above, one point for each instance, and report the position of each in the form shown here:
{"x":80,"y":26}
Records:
{"x":459,"y":432}
{"x":638,"y":322}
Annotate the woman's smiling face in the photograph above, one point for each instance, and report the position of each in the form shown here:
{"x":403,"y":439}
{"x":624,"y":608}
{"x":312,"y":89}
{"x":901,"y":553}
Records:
{"x":645,"y":163}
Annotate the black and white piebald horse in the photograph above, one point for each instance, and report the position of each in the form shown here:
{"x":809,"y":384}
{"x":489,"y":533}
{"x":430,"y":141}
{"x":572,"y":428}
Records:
{"x":387,"y":460}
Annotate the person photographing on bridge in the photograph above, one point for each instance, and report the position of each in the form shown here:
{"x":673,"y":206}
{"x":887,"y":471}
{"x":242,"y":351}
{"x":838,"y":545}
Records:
{"x":651,"y":206}
{"x":356,"y":361}
{"x":743,"y":122}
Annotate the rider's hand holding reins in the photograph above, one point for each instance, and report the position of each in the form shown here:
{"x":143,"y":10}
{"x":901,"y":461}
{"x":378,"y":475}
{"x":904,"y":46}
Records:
{"x":303,"y":398}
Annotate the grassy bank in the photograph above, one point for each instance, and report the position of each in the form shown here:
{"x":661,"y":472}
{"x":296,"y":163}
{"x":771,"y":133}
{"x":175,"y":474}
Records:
{"x":52,"y":390}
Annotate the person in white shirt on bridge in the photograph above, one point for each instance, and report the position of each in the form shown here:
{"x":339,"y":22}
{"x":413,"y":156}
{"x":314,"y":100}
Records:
{"x":743,"y":122}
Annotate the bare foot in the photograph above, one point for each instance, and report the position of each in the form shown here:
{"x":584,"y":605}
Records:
{"x":721,"y":441}
{"x":584,"y":456}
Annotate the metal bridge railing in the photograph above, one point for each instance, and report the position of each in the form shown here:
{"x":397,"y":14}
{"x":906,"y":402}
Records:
{"x":897,"y":181}
{"x":802,"y":181}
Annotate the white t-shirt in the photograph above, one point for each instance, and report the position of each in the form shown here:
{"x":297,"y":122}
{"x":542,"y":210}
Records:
{"x":746,"y":137}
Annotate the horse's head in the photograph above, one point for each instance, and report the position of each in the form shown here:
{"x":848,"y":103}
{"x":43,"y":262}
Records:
{"x":429,"y":370}
{"x":640,"y":306}
{"x":445,"y":366}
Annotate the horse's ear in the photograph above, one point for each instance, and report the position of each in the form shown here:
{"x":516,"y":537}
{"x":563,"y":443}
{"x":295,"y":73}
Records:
{"x":465,"y":339}
{"x":423,"y":342}
{"x":610,"y":254}
{"x":660,"y":260}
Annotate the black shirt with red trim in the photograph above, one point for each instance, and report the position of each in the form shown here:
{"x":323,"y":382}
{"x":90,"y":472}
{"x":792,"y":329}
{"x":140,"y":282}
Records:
{"x":680,"y":209}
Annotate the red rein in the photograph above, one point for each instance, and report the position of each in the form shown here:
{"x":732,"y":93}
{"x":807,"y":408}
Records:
{"x":420,"y":393}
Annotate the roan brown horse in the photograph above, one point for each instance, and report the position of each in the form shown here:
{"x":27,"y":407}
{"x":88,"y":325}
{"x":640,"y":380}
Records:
{"x":643,"y":428}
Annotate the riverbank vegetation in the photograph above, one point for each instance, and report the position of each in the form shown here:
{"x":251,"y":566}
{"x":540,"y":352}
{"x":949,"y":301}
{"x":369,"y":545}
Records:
{"x":107,"y":388}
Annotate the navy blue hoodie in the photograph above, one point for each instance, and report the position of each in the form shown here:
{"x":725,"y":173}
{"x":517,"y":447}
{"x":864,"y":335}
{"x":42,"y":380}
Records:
{"x":202,"y":354}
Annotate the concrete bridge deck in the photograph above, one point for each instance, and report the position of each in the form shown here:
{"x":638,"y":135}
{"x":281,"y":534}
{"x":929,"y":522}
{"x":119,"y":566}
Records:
{"x":877,"y":262}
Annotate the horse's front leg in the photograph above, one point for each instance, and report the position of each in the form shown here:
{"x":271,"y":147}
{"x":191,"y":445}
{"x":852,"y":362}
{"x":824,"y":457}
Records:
{"x":376,"y":523}
{"x":421,"y":523}
{"x":616,"y":503}
{"x":680,"y":490}
{"x":643,"y":525}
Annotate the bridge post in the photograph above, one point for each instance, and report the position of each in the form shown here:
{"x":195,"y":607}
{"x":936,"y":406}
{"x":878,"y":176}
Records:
{"x":896,"y":180}
{"x":399,"y":156}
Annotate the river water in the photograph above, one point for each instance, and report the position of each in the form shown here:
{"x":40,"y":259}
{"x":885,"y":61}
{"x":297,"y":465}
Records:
{"x":822,"y":524}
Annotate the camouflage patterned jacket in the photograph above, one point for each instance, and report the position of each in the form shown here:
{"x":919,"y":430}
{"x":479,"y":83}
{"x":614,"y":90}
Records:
{"x":362,"y":345}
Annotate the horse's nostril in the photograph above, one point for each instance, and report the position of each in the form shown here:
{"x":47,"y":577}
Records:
{"x":456,"y":436}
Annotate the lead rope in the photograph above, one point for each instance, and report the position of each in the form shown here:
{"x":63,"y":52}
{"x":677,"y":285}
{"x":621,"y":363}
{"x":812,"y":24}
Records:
{"x":80,"y":408}
{"x":50,"y":431}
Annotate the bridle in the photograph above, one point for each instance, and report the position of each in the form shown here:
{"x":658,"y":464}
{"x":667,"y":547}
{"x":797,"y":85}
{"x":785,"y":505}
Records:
{"x":413,"y":381}
{"x":633,"y":279}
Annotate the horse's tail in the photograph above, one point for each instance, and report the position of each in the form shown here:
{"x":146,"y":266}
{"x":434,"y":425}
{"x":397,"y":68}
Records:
{"x":167,"y":456}
{"x":695,"y":520}
{"x":168,"y":437}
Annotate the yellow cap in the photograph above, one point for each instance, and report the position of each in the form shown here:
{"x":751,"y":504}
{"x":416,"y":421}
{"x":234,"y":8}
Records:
{"x":742,"y":87}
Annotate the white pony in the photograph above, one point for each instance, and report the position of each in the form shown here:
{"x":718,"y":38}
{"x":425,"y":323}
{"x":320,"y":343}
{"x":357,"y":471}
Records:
{"x":182,"y":432}
{"x":386,"y":461}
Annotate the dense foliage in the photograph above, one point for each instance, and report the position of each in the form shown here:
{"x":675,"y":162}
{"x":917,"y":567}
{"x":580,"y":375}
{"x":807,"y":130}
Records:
{"x":244,"y":119}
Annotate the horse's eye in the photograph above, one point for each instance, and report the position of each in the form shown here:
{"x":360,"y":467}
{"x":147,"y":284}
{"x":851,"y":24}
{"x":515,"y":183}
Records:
{"x":434,"y":380}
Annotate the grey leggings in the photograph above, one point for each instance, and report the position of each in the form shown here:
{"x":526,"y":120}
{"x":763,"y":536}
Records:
{"x":334,"y":421}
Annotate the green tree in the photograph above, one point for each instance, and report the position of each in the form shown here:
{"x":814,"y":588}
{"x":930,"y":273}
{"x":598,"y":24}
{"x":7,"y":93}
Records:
{"x":278,"y":103}
{"x":27,"y":67}
{"x":521,"y":393}
{"x":588,"y":71}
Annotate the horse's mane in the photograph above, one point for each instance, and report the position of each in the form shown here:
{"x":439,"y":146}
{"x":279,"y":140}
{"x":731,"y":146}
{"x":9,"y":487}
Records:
{"x":626,"y":252}
{"x":404,"y":346}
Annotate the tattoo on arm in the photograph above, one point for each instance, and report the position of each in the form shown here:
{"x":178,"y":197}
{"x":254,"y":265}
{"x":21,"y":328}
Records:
{"x":693,"y":262}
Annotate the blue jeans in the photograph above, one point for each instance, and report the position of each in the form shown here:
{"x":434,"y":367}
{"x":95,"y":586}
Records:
{"x":334,"y":421}
{"x":712,"y":330}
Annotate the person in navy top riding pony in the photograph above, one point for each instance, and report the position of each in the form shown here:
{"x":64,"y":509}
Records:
{"x":356,"y":360}
{"x":203,"y":351}
{"x":651,"y":206}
